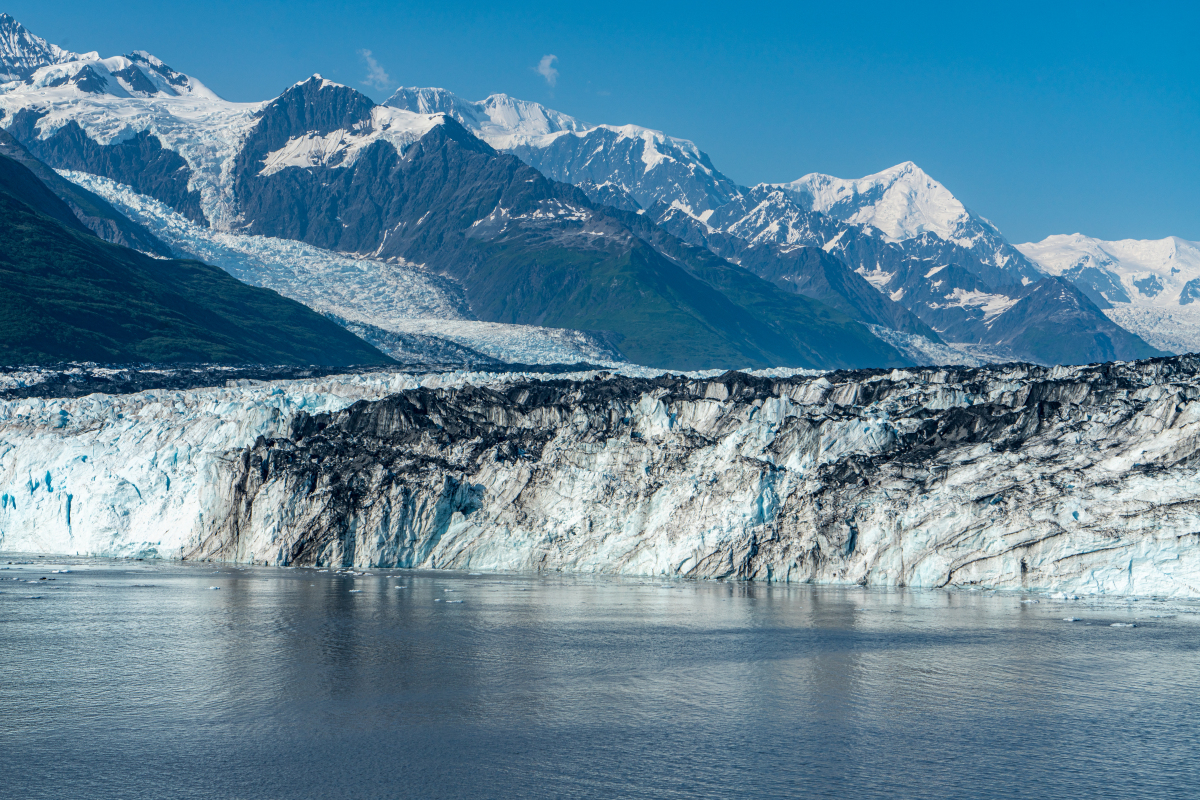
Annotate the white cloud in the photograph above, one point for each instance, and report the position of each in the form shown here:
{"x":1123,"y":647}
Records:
{"x":376,"y":76}
{"x":546,"y":69}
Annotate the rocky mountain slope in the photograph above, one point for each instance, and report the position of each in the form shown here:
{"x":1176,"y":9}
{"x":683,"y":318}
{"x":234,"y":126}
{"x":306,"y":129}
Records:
{"x":70,"y":296}
{"x":22,"y":53}
{"x":1068,"y":479}
{"x":96,"y":213}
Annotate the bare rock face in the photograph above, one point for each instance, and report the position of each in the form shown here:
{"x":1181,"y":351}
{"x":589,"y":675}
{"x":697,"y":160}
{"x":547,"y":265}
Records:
{"x":1077,"y":479}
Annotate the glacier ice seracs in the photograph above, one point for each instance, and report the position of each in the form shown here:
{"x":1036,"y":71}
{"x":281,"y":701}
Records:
{"x":1074,"y":479}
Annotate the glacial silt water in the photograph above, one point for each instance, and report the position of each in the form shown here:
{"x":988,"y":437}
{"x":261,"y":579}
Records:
{"x":141,"y":680}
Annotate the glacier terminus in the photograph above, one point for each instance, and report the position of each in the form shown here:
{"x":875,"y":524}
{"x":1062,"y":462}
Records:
{"x":1072,"y":479}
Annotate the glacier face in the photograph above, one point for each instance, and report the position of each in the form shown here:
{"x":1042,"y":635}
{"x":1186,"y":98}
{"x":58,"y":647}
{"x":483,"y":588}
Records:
{"x":1071,"y":479}
{"x":125,"y":474}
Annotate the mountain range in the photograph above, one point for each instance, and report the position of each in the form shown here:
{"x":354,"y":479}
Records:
{"x":949,"y":272}
{"x":518,"y":215}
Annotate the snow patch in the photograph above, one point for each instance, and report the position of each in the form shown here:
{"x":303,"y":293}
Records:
{"x":340,"y":148}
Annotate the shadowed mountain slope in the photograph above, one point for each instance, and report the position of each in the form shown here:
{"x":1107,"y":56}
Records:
{"x":68,"y":296}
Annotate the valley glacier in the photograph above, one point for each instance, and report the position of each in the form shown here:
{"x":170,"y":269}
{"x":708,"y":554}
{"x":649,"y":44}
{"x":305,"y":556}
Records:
{"x":395,"y":296}
{"x":1073,"y":479}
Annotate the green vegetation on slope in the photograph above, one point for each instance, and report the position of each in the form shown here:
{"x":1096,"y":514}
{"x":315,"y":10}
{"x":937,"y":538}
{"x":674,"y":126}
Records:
{"x":68,"y":296}
{"x":678,"y":316}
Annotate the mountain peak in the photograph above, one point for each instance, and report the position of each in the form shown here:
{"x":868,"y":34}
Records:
{"x":498,"y":118}
{"x":902,"y":202}
{"x":318,"y":79}
{"x":23,"y":53}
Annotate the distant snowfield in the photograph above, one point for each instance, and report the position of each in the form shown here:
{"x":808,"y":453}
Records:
{"x":1152,"y":284}
{"x":926,"y":352}
{"x":1176,"y":330}
{"x":397,"y":297}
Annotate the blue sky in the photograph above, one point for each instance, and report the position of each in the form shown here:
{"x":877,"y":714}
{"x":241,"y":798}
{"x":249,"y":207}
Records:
{"x":1045,"y":118}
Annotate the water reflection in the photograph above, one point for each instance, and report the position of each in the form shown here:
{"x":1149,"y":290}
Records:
{"x":139,"y":680}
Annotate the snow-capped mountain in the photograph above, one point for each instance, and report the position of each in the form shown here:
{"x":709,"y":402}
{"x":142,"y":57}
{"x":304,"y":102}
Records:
{"x":611,"y":163}
{"x":499,"y":120}
{"x":521,"y":245}
{"x":675,"y":183}
{"x":135,"y":120}
{"x":904,"y":203}
{"x":1151,"y":287}
{"x":138,"y":74}
{"x":949,"y":288}
{"x":940,"y":269}
{"x":22,"y":53}
{"x":1159,"y":272}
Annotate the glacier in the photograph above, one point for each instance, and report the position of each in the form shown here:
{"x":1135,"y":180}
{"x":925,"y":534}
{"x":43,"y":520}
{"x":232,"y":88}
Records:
{"x":392,"y":295}
{"x":1074,"y":479}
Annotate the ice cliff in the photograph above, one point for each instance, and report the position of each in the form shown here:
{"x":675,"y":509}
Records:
{"x":1079,"y":479}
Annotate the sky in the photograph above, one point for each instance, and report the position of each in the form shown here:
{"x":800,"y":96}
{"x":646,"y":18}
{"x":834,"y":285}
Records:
{"x":1050,"y":117}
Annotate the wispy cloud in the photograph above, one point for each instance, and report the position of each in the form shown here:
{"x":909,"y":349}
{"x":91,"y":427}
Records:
{"x":376,"y":75}
{"x":546,"y":69}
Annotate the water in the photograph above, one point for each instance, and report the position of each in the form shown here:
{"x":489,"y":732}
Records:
{"x":136,"y":680}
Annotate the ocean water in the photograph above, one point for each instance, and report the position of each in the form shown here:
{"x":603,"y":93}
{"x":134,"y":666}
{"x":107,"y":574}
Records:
{"x":128,"y":679}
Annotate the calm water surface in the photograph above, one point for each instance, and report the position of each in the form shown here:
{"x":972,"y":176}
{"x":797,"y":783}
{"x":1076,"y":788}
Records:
{"x":136,"y":680}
